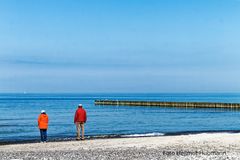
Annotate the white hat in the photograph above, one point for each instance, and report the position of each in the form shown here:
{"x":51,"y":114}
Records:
{"x":79,"y":105}
{"x":43,"y":111}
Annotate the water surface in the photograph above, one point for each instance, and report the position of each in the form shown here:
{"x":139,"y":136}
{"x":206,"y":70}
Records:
{"x":19,"y":113}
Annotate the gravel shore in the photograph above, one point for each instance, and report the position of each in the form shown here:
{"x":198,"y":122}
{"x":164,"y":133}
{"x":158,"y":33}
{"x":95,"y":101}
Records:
{"x":200,"y":146}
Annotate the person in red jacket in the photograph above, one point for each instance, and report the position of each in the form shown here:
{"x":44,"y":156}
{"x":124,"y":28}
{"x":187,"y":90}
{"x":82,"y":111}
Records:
{"x":79,"y":119}
{"x":43,"y":125}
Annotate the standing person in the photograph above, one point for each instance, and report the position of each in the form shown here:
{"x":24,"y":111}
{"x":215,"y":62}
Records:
{"x":79,"y":119}
{"x":43,"y":125}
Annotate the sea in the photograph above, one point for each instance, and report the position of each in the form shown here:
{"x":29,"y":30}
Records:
{"x":19,"y":114}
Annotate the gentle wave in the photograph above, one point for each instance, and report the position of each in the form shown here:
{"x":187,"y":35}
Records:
{"x":144,"y":135}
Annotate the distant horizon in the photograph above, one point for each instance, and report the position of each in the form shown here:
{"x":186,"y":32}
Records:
{"x":120,"y":93}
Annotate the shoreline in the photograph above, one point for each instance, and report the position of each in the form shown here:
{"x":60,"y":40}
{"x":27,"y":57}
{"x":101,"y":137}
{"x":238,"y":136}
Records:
{"x":198,"y":146}
{"x":112,"y":136}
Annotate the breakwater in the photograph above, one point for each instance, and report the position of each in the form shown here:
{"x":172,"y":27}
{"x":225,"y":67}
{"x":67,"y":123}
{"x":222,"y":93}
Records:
{"x":168,"y":104}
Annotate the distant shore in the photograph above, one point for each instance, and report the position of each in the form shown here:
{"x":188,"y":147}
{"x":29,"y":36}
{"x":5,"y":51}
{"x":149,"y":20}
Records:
{"x":198,"y":146}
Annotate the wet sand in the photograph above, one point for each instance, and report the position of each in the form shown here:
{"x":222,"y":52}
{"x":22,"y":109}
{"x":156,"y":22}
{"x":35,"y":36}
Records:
{"x":199,"y":146}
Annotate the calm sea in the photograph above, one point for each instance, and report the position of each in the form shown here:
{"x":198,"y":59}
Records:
{"x":19,"y":113}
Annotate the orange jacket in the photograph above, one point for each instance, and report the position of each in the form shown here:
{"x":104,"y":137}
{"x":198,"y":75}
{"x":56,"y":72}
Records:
{"x":43,"y":121}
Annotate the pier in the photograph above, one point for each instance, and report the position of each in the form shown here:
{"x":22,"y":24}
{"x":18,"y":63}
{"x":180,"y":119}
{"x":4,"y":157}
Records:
{"x":168,"y":104}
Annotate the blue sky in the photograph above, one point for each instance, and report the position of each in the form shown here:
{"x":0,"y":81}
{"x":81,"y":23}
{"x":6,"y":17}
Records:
{"x":119,"y":46}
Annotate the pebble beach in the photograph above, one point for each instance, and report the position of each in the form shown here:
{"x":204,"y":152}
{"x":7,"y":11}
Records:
{"x":199,"y":146}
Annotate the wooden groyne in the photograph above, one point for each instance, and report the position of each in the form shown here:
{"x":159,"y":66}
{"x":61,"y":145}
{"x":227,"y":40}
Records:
{"x":168,"y":104}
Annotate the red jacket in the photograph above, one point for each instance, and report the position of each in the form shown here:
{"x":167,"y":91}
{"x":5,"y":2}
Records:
{"x":43,"y":121}
{"x":80,"y":115}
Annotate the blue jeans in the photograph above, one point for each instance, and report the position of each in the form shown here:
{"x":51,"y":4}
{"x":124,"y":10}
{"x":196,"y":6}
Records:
{"x":43,"y":133}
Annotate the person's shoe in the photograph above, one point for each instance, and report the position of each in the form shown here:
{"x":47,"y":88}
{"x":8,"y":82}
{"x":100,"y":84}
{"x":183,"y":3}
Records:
{"x":77,"y":139}
{"x":82,"y":139}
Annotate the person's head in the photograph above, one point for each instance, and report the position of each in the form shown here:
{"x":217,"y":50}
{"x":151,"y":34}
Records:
{"x":80,"y":106}
{"x":43,"y":112}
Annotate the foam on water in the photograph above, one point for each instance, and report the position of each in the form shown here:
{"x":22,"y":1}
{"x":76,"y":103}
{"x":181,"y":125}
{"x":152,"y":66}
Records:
{"x":144,"y":135}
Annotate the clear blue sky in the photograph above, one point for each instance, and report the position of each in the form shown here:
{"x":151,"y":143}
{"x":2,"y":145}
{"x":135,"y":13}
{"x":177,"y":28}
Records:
{"x":119,"y":45}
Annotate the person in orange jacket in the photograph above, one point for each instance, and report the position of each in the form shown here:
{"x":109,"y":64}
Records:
{"x":43,"y":125}
{"x":79,"y":119}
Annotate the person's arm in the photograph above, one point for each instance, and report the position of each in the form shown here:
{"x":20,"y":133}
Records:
{"x":39,"y":119}
{"x":75,"y":117}
{"x":85,"y":117}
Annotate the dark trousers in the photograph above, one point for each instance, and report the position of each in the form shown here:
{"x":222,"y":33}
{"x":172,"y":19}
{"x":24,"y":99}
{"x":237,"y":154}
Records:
{"x":43,"y":133}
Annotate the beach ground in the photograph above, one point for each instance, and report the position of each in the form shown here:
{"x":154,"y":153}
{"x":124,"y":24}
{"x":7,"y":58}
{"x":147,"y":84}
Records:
{"x":199,"y":146}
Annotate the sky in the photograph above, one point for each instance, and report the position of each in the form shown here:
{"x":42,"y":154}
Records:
{"x":139,"y":46}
